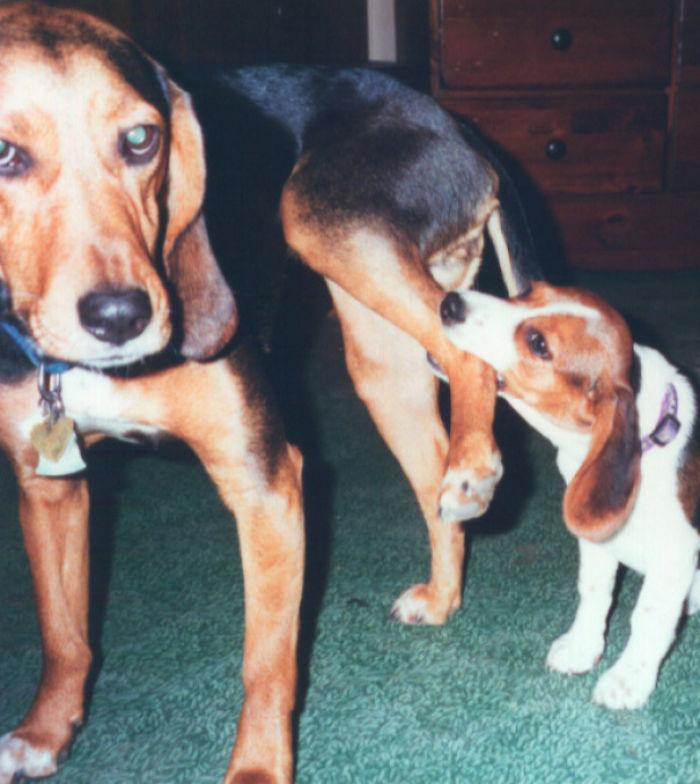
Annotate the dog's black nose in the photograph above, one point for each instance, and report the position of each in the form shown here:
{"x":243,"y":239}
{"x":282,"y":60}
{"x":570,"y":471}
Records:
{"x":453,"y":309}
{"x":115,"y":315}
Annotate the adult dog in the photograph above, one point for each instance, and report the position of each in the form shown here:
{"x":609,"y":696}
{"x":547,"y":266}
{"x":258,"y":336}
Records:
{"x":389,"y":199}
{"x":112,"y":300}
{"x":101,"y":238}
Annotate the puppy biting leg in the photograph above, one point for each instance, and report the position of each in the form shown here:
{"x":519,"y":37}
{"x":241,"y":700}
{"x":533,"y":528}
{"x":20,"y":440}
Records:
{"x":581,"y":647}
{"x":390,"y":279}
{"x":400,"y":393}
{"x":54,"y":517}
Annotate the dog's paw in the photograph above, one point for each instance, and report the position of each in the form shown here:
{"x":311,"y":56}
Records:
{"x":420,"y":604}
{"x":624,"y":687}
{"x":19,"y":760}
{"x":572,"y":655}
{"x":253,"y":777}
{"x":466,"y":494}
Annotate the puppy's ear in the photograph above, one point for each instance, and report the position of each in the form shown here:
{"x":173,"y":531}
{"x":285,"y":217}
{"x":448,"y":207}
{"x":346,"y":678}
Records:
{"x":209,"y":315}
{"x":600,"y":497}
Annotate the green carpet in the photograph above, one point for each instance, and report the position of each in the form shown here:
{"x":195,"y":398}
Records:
{"x":468,"y":703}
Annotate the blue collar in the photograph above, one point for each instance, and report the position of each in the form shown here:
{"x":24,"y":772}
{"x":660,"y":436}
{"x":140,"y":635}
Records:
{"x":32,"y":352}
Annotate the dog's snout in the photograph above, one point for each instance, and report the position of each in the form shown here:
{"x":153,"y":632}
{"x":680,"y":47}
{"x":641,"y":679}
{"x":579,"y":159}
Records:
{"x":453,"y":309}
{"x":115,"y":315}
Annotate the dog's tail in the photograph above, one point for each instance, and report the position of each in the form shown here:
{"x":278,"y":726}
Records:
{"x":508,"y":226}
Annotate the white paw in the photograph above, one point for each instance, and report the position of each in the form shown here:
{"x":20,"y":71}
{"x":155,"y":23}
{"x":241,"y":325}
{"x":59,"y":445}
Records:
{"x":19,"y":759}
{"x":572,"y":655}
{"x":463,"y":495}
{"x":421,"y":605}
{"x":624,"y":687}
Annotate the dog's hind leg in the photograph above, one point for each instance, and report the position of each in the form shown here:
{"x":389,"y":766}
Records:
{"x":390,"y":279}
{"x":392,"y":378}
{"x":54,"y":517}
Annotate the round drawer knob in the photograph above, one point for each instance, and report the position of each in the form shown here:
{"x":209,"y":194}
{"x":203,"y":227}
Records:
{"x":561,"y":39}
{"x":555,"y":149}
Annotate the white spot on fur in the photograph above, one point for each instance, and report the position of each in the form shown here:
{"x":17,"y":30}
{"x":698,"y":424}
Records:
{"x":17,"y":756}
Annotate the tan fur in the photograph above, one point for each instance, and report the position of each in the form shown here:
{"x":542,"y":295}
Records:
{"x":79,"y":220}
{"x":392,"y":282}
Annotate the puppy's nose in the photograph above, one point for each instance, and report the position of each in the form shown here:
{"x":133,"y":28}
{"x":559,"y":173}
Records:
{"x":115,"y":315}
{"x":453,"y":309}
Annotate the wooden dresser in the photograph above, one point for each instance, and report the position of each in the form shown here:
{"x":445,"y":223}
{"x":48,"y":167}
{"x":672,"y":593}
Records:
{"x":598,"y":105}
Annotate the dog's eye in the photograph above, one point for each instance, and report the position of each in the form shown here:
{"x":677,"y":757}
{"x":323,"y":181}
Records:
{"x":139,"y":144}
{"x":537,"y":343}
{"x":13,"y":160}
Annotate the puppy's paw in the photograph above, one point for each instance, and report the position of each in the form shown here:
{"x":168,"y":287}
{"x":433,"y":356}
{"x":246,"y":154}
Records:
{"x":19,"y":759}
{"x":572,"y":654}
{"x":421,"y":604}
{"x":467,"y":493}
{"x":624,"y":687}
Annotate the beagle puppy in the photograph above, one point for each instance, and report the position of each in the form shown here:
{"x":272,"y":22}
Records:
{"x":622,"y":418}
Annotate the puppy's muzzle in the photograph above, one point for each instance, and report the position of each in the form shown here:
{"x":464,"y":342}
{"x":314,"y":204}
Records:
{"x":115,"y":315}
{"x":453,"y":309}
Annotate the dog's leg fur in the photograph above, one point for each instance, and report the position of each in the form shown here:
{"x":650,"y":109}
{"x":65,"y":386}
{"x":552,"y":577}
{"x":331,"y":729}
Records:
{"x":400,"y":393}
{"x":54,"y":517}
{"x":390,"y":279}
{"x":259,"y":478}
{"x":631,"y":680}
{"x":221,"y":410}
{"x":581,"y":647}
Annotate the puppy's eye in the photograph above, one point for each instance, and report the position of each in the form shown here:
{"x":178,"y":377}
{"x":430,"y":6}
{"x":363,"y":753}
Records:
{"x":537,"y":344}
{"x":139,"y":144}
{"x":13,"y":160}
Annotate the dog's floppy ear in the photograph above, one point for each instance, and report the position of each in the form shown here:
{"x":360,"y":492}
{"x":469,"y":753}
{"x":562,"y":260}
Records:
{"x":600,"y":497}
{"x":209,"y":315}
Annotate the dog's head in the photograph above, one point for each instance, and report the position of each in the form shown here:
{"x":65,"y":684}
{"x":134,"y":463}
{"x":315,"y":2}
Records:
{"x":566,"y":354}
{"x":103,"y":247}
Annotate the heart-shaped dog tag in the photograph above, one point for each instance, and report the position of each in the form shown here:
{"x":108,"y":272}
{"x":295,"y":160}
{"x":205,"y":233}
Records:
{"x":58,"y":448}
{"x":51,"y":439}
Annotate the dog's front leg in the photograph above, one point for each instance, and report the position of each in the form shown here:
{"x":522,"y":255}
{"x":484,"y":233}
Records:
{"x":631,"y":680}
{"x":392,"y":378}
{"x":474,"y":461}
{"x":270,"y":530}
{"x":54,"y":517}
{"x":581,"y":647}
{"x":224,"y":413}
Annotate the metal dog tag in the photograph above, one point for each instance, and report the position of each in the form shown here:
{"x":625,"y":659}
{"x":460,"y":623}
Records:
{"x":57,"y":445}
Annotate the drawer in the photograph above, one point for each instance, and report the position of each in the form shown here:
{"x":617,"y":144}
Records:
{"x":576,"y":143}
{"x":529,"y":43}
{"x":685,"y":172}
{"x":690,"y":47}
{"x":653,"y":231}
